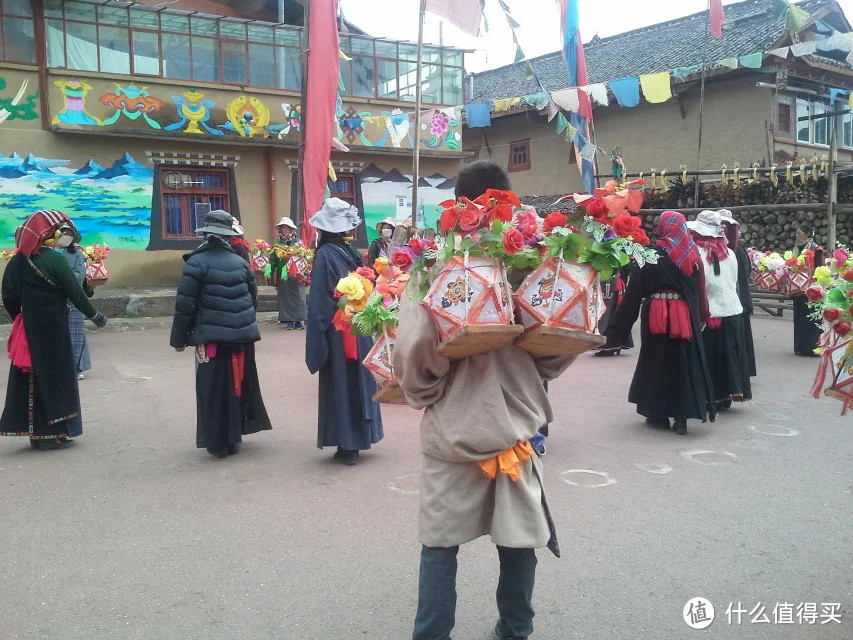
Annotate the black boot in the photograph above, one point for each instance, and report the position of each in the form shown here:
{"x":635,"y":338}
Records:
{"x":233,"y":448}
{"x":680,"y":426}
{"x":661,"y":422}
{"x":348,"y":458}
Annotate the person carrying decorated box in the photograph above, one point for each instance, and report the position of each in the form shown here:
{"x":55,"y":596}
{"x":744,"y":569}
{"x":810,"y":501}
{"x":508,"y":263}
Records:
{"x":807,"y":332}
{"x":480,"y":472}
{"x":292,"y":309}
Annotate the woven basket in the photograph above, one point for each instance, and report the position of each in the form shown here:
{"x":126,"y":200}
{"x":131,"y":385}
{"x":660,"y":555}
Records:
{"x":469,"y":302}
{"x":559,"y":306}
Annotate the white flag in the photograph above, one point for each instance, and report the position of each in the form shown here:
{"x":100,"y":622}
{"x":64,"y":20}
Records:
{"x":465,"y":14}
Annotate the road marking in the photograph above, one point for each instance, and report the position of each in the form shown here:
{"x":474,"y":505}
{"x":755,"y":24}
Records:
{"x":774,"y":430}
{"x":586,"y":478}
{"x":653,"y":467}
{"x":709,"y":456}
{"x":409,"y":484}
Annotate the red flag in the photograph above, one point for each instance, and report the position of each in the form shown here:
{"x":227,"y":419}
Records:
{"x":717,"y":18}
{"x":323,"y":69}
{"x":465,"y":14}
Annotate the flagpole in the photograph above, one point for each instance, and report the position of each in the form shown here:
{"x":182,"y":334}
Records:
{"x":416,"y":156}
{"x":702,"y":101}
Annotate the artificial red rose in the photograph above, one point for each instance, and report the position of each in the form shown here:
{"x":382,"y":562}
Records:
{"x":555,"y":219}
{"x":416,"y":246}
{"x":848,"y":275}
{"x":842,"y":328}
{"x":366,"y":272}
{"x":840,"y":256}
{"x":402,"y":260}
{"x":470,"y":218}
{"x":815,"y":293}
{"x":513,"y":241}
{"x":596,"y":208}
{"x":832,"y":314}
{"x":626,"y":225}
{"x":449,"y":219}
{"x":528,"y":223}
{"x":791,"y":262}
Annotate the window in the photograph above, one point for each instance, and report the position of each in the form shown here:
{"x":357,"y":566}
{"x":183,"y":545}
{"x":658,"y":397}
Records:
{"x":186,"y":194}
{"x":783,"y":118}
{"x":139,"y":40}
{"x":519,"y":156}
{"x":847,"y":131}
{"x":344,"y":188}
{"x":17,"y":40}
{"x":815,"y":130}
{"x":803,"y":126}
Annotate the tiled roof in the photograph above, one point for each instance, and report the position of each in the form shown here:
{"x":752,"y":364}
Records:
{"x":750,"y":27}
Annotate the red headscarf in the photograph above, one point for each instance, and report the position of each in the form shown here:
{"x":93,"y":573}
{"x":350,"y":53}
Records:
{"x":717,"y":248}
{"x":31,"y":235}
{"x":674,"y":239}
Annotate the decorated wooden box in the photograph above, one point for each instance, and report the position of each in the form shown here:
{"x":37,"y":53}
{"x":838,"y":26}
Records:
{"x":772,"y":283}
{"x":298,"y":268}
{"x":259,"y":262}
{"x":96,"y":273}
{"x":469,"y":301}
{"x":754,"y":275}
{"x":797,"y":283}
{"x":559,"y":306}
{"x":841,"y":369}
{"x":379,"y":363}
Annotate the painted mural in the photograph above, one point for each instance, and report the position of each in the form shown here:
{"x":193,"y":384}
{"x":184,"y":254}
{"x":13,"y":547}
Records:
{"x":17,"y":107}
{"x":440,"y":129}
{"x":389,"y":194}
{"x":193,"y":110}
{"x":110,"y":205}
{"x":132,"y":102}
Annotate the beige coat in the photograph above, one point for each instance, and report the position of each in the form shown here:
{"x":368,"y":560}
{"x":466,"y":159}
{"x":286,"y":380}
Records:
{"x":476,"y":408}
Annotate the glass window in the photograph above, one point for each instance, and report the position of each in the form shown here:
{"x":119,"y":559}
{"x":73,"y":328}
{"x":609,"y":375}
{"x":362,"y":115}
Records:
{"x":288,"y":36}
{"x":803,"y":126}
{"x":261,"y":65}
{"x":205,"y":59}
{"x":114,"y":45}
{"x":386,"y":49}
{"x":408,"y":52}
{"x":18,"y":40}
{"x":432,"y":54}
{"x":431,"y":84}
{"x":144,"y":19}
{"x":408,"y":80}
{"x":362,"y":46}
{"x":783,"y":118}
{"x":387,"y":75}
{"x":345,"y":78}
{"x":234,"y":62}
{"x":261,"y":34}
{"x":452,"y":77}
{"x":847,"y":128}
{"x":146,"y":53}
{"x":80,"y":46}
{"x":55,"y":43}
{"x":53,"y":12}
{"x":80,"y":11}
{"x":176,"y":56}
{"x":821,"y":126}
{"x":363,"y":75}
{"x":174,"y":23}
{"x":18,"y":8}
{"x":455,"y":58}
{"x":289,"y":68}
{"x":204,"y":27}
{"x":113,"y":15}
{"x":233,"y":30}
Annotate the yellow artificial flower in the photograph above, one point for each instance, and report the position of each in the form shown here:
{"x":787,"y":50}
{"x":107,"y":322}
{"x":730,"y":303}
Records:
{"x":788,"y":255}
{"x":352,"y":287}
{"x":823,"y":276}
{"x":801,"y":259}
{"x":380,"y":265}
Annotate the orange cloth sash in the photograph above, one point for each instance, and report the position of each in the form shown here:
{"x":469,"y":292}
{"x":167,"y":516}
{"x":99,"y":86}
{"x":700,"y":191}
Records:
{"x":508,"y":462}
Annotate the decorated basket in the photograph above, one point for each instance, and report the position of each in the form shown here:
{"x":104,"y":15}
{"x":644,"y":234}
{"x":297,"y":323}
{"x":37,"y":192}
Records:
{"x":300,"y":269}
{"x":754,"y":275}
{"x":798,"y":282}
{"x":469,"y":302}
{"x":379,"y":363}
{"x":559,"y":306}
{"x":96,"y":273}
{"x":259,"y":262}
{"x":772,"y":283}
{"x":840,"y":363}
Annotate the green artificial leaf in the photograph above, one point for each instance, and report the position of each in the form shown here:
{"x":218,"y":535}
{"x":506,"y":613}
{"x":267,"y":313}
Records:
{"x":624,"y":259}
{"x":601,"y":263}
{"x":599,"y":232}
{"x":640,"y":259}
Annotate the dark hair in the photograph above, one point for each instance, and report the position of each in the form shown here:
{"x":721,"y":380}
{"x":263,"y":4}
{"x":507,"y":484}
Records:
{"x":475,"y":178}
{"x":806,"y":228}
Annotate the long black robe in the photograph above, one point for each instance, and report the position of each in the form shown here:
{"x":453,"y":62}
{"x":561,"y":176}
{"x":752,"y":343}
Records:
{"x":41,"y":295}
{"x":347,"y":415}
{"x":744,"y":266}
{"x":671,"y":379}
{"x":807,"y":332}
{"x":611,"y":301}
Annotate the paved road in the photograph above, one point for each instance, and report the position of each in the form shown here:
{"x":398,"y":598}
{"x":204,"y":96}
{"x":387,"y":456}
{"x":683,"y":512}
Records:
{"x":135,"y":534}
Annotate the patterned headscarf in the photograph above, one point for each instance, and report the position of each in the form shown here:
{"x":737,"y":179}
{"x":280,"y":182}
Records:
{"x":40,"y":226}
{"x":675,"y":240}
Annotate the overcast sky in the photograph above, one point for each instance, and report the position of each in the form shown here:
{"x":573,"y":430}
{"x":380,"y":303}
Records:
{"x":539,"y":19}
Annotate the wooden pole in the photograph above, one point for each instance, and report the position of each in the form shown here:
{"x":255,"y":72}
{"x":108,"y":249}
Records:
{"x":832,"y":187}
{"x":416,"y":156}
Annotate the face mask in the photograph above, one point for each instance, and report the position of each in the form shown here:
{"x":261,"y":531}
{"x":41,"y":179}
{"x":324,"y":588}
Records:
{"x":386,"y":232}
{"x":64,"y":241}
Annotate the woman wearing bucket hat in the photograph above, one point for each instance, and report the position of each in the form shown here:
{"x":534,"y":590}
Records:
{"x":380,"y":247}
{"x":348,"y":418}
{"x":290,"y":292}
{"x":215,"y":313}
{"x":724,"y":334}
{"x":671,"y":379}
{"x":744,"y":266}
{"x":238,"y":241}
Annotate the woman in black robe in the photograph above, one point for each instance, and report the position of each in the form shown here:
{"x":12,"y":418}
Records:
{"x":613,"y":291}
{"x":348,"y":418}
{"x":744,"y":267}
{"x":671,"y":379}
{"x":42,"y":398}
{"x":807,"y":332}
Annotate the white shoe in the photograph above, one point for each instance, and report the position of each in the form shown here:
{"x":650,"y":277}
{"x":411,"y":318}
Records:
{"x":80,"y":376}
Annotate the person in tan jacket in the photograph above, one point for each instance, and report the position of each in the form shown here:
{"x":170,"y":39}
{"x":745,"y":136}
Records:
{"x":480,"y":474}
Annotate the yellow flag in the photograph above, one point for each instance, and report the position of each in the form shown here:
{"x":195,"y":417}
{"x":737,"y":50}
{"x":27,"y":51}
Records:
{"x":344,"y":56}
{"x":656,"y":86}
{"x":332,"y":175}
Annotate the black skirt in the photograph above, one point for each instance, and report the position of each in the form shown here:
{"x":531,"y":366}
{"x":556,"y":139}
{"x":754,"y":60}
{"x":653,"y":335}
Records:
{"x":727,"y":360}
{"x":223,"y":417}
{"x":748,"y":344}
{"x":806,"y":331}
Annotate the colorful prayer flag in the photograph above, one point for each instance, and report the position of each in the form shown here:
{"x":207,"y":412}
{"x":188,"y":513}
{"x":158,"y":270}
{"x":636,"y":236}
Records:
{"x":465,"y":14}
{"x":717,"y":18}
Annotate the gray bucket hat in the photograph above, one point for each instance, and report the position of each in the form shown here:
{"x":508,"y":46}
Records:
{"x":219,"y":222}
{"x":336,"y":216}
{"x":708,"y":224}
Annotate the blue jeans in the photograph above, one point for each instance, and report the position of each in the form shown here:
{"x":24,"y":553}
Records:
{"x":437,"y":593}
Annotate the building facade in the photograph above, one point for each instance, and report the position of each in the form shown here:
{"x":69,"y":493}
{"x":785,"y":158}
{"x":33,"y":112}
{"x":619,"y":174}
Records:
{"x":135,"y":119}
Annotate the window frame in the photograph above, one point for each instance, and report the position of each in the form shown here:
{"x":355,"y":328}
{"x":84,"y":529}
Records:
{"x":188,"y":217}
{"x":3,"y":43}
{"x":512,"y":165}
